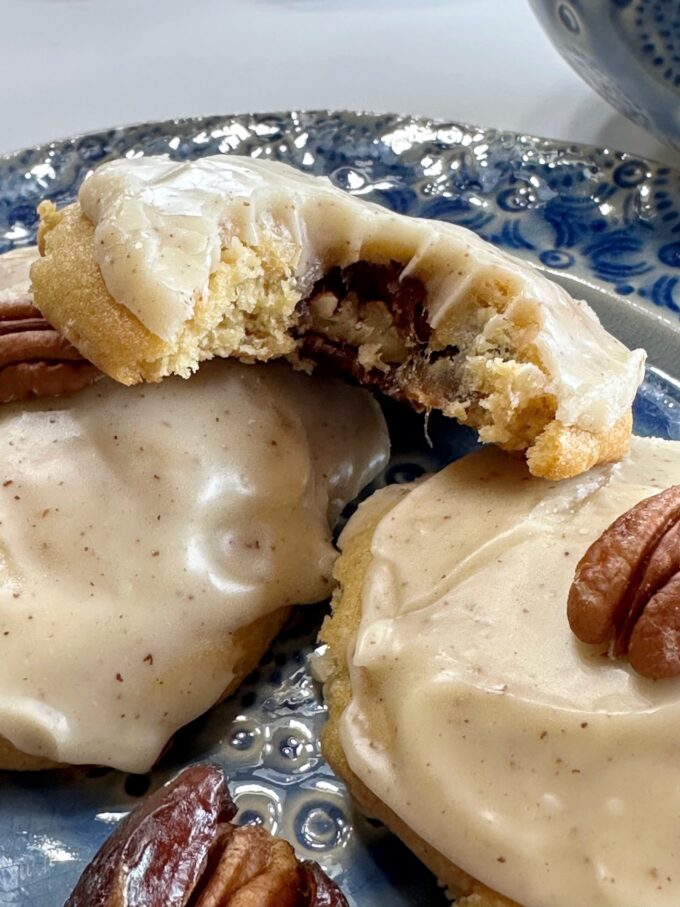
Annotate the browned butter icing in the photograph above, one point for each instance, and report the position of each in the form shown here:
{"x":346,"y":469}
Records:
{"x":139,"y":527}
{"x":532,"y":761}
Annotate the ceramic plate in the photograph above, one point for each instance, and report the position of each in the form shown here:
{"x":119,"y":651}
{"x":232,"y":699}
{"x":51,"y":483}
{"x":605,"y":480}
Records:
{"x":605,"y":223}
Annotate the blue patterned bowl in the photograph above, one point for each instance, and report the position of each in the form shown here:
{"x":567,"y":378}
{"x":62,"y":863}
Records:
{"x":627,"y":50}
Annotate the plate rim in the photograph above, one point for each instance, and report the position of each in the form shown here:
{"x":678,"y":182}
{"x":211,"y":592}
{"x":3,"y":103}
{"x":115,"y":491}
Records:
{"x":5,"y":156}
{"x":664,"y":322}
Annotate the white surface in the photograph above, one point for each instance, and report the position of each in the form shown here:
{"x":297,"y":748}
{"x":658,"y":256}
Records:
{"x":70,"y":66}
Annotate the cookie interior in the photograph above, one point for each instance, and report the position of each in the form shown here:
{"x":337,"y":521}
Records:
{"x":478,"y":362}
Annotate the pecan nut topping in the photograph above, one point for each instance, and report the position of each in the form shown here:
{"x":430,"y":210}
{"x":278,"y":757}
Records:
{"x":254,"y":870}
{"x":626,"y":589}
{"x":35,"y":360}
{"x":179,"y":847}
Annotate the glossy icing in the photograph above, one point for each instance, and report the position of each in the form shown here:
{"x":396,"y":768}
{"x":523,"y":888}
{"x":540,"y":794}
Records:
{"x":140,"y":527}
{"x":160,"y":227}
{"x":534,"y":762}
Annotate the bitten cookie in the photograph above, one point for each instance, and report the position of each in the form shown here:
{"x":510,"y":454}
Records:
{"x":161,"y":265}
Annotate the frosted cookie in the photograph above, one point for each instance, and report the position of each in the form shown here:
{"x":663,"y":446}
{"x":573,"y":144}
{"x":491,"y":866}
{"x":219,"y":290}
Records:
{"x":35,"y":360}
{"x":521,"y":765}
{"x":161,"y":265}
{"x":154,"y":540}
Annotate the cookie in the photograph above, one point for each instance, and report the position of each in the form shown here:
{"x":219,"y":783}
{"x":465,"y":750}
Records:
{"x":154,"y":540}
{"x":161,"y":265}
{"x":521,"y":765}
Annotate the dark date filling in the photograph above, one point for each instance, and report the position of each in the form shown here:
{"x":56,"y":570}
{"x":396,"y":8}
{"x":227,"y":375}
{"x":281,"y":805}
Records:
{"x":478,"y":366}
{"x":367,"y":321}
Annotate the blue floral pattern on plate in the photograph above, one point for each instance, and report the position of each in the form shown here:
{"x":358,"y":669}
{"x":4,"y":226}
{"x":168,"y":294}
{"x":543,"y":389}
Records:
{"x":605,"y":217}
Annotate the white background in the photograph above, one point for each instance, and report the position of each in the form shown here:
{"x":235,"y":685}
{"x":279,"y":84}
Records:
{"x":69,"y":66}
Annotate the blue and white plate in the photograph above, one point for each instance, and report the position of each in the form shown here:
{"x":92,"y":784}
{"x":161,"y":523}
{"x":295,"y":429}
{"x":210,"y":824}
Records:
{"x":604,"y":223}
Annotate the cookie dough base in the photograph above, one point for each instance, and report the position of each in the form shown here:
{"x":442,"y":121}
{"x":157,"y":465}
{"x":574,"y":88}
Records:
{"x":338,"y":632}
{"x":246,"y":647}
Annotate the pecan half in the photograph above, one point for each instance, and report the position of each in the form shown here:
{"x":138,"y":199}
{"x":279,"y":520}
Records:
{"x":255,"y":870}
{"x":35,"y":360}
{"x":180,"y":849}
{"x":626,"y":589}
